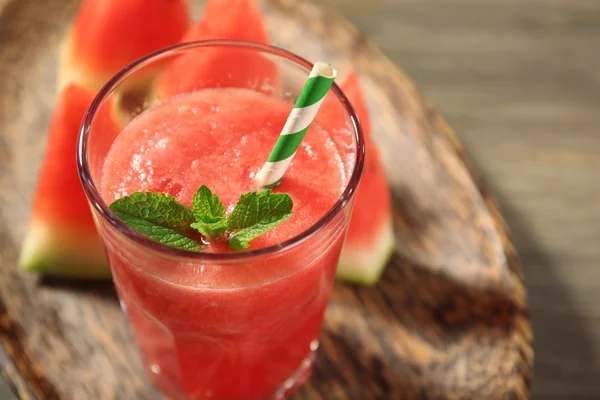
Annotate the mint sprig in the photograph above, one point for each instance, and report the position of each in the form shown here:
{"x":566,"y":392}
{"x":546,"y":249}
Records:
{"x":162,"y":218}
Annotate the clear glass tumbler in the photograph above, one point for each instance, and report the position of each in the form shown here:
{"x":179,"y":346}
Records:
{"x":247,"y":326}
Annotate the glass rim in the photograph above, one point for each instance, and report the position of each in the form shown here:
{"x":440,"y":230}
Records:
{"x":106,"y":213}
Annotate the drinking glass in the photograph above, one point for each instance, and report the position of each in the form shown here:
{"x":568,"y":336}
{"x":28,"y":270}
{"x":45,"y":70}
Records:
{"x":239,"y":325}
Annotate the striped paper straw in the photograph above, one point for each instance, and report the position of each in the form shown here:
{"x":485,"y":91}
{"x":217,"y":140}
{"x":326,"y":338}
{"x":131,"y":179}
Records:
{"x":316,"y":87}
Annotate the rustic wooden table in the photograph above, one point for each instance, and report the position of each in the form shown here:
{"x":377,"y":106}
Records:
{"x":519,"y":80}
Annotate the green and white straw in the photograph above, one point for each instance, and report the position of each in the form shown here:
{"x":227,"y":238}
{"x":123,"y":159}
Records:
{"x":316,"y":87}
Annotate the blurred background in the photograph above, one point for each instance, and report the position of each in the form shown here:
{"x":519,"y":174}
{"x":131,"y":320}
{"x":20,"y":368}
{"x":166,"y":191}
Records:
{"x":519,"y":82}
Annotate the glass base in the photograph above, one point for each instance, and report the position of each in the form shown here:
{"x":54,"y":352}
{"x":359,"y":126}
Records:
{"x":299,"y":377}
{"x":289,"y":386}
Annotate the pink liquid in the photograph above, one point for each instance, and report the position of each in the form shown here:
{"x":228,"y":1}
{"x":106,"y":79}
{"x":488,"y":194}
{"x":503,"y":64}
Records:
{"x":232,"y":331}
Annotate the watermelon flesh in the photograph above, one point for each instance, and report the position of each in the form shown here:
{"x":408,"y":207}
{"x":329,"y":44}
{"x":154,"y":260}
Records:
{"x":221,"y":67}
{"x":370,"y":240}
{"x":229,"y":19}
{"x":62,"y":239}
{"x":107,"y":35}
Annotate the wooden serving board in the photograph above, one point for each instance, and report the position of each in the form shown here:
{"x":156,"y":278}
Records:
{"x":448,"y":320}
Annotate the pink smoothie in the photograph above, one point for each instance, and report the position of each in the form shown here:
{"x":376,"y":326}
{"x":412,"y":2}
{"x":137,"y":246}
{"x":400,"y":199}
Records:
{"x":225,"y":332}
{"x":221,"y":138}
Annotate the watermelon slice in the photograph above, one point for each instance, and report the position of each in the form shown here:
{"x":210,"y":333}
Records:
{"x":62,"y":239}
{"x":370,"y":241}
{"x":222,"y":67}
{"x":109,"y":34}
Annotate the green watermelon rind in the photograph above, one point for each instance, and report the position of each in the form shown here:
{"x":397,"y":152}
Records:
{"x":364,"y":266}
{"x":54,"y":252}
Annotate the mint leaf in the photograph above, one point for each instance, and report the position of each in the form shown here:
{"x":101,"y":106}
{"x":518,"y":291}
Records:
{"x":255,"y":214}
{"x":209,"y":212}
{"x":158,"y":216}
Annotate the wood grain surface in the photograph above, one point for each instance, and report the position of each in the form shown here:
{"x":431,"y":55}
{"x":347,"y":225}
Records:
{"x":449,"y":319}
{"x":519,"y":81}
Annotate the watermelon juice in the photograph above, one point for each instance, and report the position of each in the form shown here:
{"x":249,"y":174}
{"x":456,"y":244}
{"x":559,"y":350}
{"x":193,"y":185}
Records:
{"x":219,"y":324}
